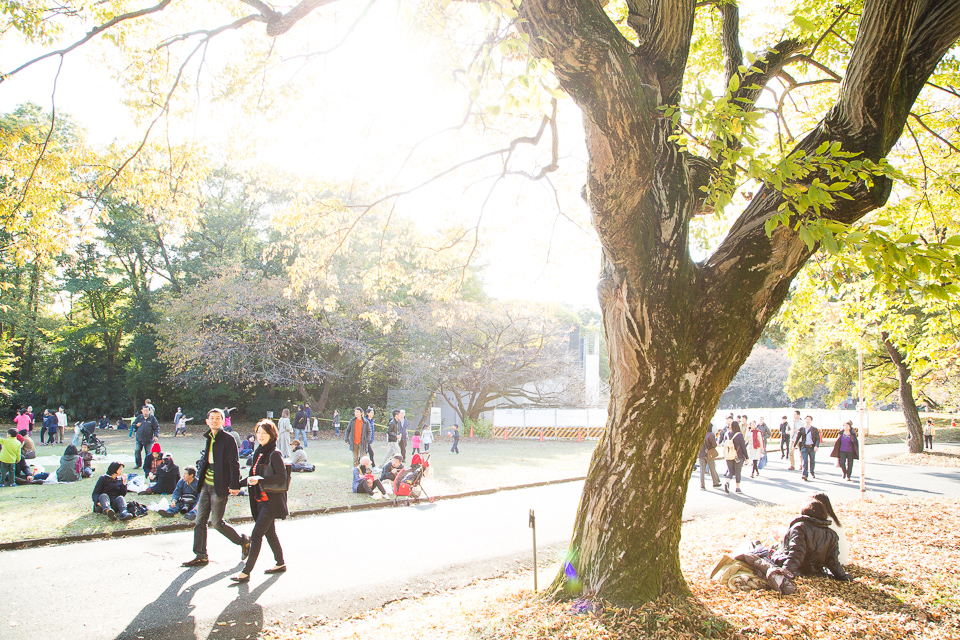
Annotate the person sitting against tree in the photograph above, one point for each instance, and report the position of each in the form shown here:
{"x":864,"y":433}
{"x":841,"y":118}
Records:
{"x":811,"y":547}
{"x":364,"y":481}
{"x":298,"y":459}
{"x":108,"y":493}
{"x":184,"y":498}
{"x":391,"y":469}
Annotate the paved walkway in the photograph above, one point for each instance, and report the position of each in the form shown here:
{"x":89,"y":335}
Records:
{"x":135,"y":588}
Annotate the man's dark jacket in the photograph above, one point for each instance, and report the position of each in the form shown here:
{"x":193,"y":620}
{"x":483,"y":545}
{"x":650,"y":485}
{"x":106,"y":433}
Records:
{"x":226,"y":463}
{"x":147,"y":428}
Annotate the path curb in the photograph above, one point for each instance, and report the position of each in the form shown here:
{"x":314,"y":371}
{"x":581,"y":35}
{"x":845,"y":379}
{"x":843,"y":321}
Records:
{"x":183,"y":526}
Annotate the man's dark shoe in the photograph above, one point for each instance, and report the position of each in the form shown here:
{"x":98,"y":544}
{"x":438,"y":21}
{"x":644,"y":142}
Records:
{"x":165,"y":513}
{"x":199,"y":561}
{"x":110,"y":513}
{"x":245,"y":548}
{"x":126,"y":515}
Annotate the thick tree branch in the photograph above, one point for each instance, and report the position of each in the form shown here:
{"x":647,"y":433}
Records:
{"x":730,"y":39}
{"x":668,"y":45}
{"x":876,"y":95}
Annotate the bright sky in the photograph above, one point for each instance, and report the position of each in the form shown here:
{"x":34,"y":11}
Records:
{"x":353,"y":118}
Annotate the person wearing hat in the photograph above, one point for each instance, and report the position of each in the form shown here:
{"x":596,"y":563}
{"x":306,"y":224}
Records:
{"x":152,"y":463}
{"x":167,"y":476}
{"x":108,"y":493}
{"x":392,"y":468}
{"x":148,"y":432}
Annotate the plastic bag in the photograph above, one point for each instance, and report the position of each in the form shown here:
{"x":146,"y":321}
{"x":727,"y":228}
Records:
{"x":161,"y":505}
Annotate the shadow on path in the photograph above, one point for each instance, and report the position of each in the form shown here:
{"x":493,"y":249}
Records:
{"x":242,"y":619}
{"x":169,"y":616}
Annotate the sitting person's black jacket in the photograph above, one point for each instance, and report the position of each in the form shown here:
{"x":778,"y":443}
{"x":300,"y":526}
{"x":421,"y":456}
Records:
{"x":168,"y":474}
{"x":809,"y":547}
{"x":109,"y":485}
{"x":390,"y":472}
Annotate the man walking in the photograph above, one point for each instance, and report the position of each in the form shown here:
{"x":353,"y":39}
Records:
{"x":393,"y":447}
{"x":797,"y":424}
{"x":217,"y":475}
{"x":148,"y":431}
{"x":808,"y":439}
{"x":300,"y":426}
{"x":336,"y":421}
{"x":402,"y":433}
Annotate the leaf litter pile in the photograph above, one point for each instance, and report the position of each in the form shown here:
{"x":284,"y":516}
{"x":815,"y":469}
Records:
{"x":941,"y":458}
{"x":904,"y":555}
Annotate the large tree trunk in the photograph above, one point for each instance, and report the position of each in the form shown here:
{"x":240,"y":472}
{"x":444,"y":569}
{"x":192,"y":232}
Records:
{"x":678,"y":331}
{"x":907,"y":403}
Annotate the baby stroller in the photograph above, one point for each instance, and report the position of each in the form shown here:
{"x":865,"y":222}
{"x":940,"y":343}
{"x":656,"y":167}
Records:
{"x":408,"y":485}
{"x":89,"y":433}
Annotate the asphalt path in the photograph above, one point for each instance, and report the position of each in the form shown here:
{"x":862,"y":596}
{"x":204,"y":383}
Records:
{"x":343,"y":563}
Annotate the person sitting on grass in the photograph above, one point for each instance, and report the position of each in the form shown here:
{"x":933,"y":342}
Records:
{"x":87,"y":458}
{"x":811,"y":547}
{"x":9,"y":457}
{"x":26,"y":475}
{"x":391,"y":469}
{"x":364,"y":480}
{"x":247,"y":447}
{"x":108,"y":494}
{"x":27,"y":449}
{"x":298,"y":459}
{"x":71,"y":465}
{"x":152,"y":463}
{"x":184,"y":498}
{"x":166,"y":476}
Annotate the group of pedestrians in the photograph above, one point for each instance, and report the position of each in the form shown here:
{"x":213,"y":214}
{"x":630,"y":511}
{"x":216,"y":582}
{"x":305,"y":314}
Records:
{"x":741,"y":440}
{"x":52,"y":424}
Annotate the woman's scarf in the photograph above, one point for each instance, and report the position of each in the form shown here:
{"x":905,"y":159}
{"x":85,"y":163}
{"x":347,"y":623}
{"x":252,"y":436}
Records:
{"x":261,"y":459}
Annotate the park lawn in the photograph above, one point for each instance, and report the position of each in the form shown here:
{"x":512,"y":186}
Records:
{"x":55,"y":510}
{"x":905,"y":557}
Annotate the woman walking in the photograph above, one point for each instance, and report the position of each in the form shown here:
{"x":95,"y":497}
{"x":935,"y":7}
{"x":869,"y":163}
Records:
{"x":755,"y":448}
{"x":268,"y":499}
{"x":286,"y":430}
{"x":846,"y":449}
{"x":735,"y":452}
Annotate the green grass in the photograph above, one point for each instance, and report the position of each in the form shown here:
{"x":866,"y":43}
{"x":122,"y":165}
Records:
{"x":66,"y":509}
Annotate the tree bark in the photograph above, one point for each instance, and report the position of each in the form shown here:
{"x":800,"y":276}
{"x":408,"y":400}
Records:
{"x":907,"y":402}
{"x":677,"y":331}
